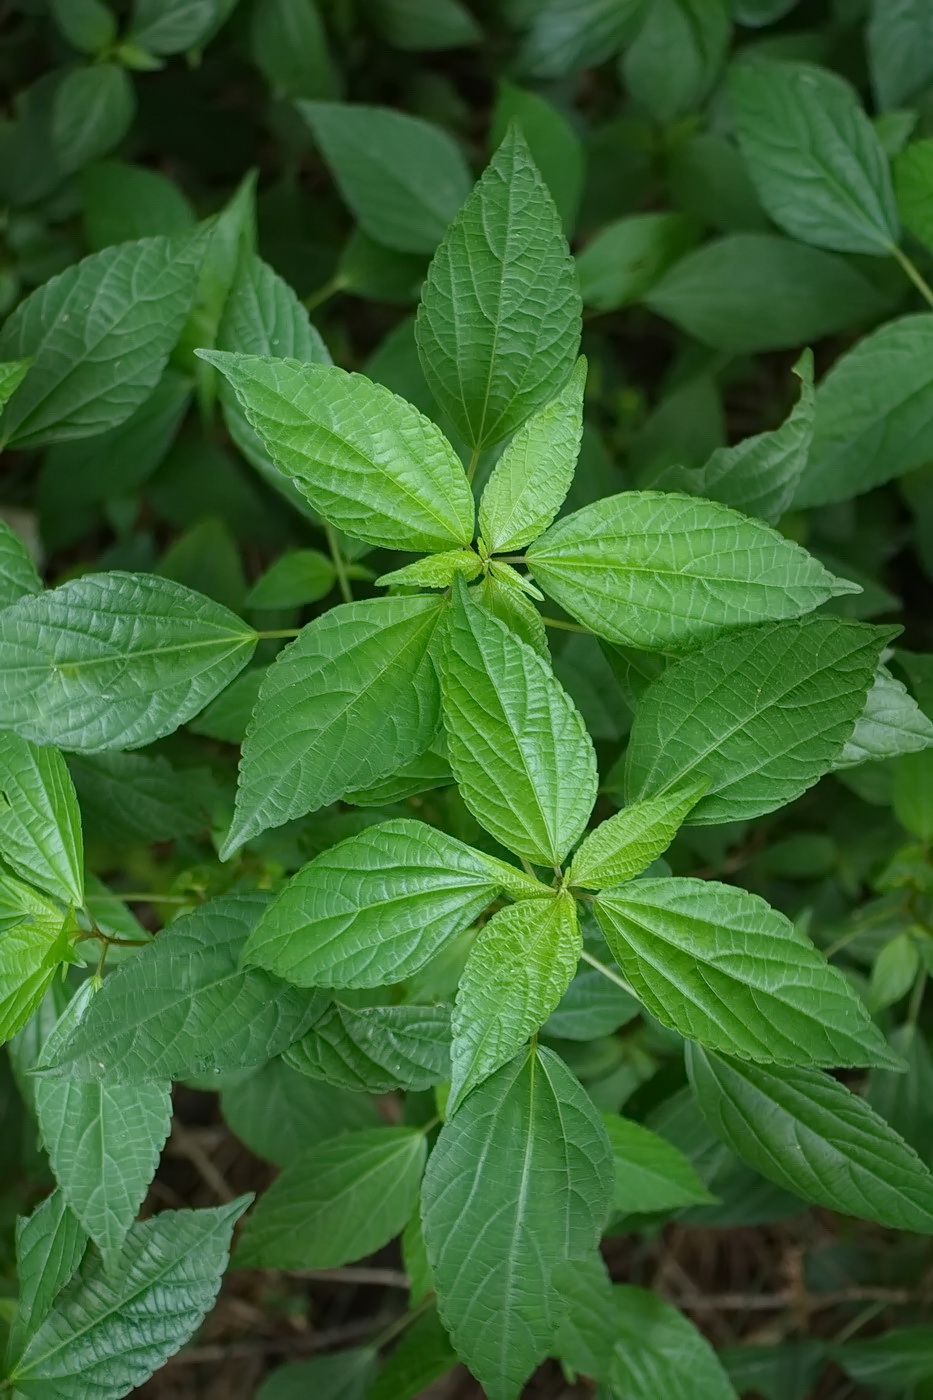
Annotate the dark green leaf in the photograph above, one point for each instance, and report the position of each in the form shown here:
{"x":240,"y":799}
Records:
{"x":376,"y":1049}
{"x":40,"y":825}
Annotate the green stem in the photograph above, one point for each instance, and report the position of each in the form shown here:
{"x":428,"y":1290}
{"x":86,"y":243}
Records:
{"x":278,"y":632}
{"x":389,"y":1333}
{"x":474,"y":463}
{"x":324,"y":292}
{"x":914,"y":273}
{"x":346,"y":592}
{"x":607,"y":972}
{"x":566,"y":626}
{"x":916,"y":999}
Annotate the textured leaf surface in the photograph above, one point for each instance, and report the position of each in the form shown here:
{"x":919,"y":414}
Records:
{"x":402,"y":177}
{"x":348,"y":703}
{"x":633,"y":1341}
{"x":49,"y":1247}
{"x":518,"y":747}
{"x":40,"y":825}
{"x":818,"y":166}
{"x":99,"y":335}
{"x":32,"y":947}
{"x":339,"y":1201}
{"x":127,"y":797}
{"x":761,"y":474}
{"x":18,"y":576}
{"x":520,"y":1179}
{"x":499,"y":322}
{"x":650,"y":1172}
{"x":531,"y":478}
{"x":103,"y":1140}
{"x":105,"y":1335}
{"x":761,"y":715}
{"x":657,"y":569}
{"x":377,"y":1048}
{"x":873,"y":413}
{"x":183,"y":1006}
{"x":517,"y":971}
{"x":626,"y":844}
{"x":114,"y":660}
{"x":812,"y":1136}
{"x":722,"y":967}
{"x":891,"y":723}
{"x":374,"y":908}
{"x":366,"y":460}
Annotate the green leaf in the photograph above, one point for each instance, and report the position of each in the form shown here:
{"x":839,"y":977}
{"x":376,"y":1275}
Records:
{"x":660,"y":570}
{"x":340,"y":1201}
{"x":627,"y":257}
{"x":408,"y":24}
{"x":93,"y":110}
{"x":131,"y":797}
{"x":760,"y":474}
{"x":289,"y":44}
{"x":320,"y":724}
{"x":18,"y":575}
{"x":905,"y":1099}
{"x":626,"y":844}
{"x":40,"y":825}
{"x":720,"y":966}
{"x":374,"y":908}
{"x":518,"y":747}
{"x":760,"y":714}
{"x":123,"y":202}
{"x":114,"y":464}
{"x":592,"y":1006}
{"x":34,"y":941}
{"x":894,"y":972}
{"x":422,"y":1356}
{"x":517,"y":971}
{"x":114,"y":660}
{"x":376,"y":1049}
{"x":174,"y":26}
{"x":436,"y":570}
{"x":88,"y":25}
{"x":873,"y":413}
{"x":633,"y":1341}
{"x":900,"y":50}
{"x":891,"y":723}
{"x":403,"y":178}
{"x":12,"y":374}
{"x":344,"y":1375}
{"x":49,"y":1247}
{"x":280,"y":1113}
{"x":913,"y":793}
{"x":677,"y":55}
{"x":651,"y":1174}
{"x":227,"y":718}
{"x":818,"y":166}
{"x":553,"y":144}
{"x":530,"y":480}
{"x":515,"y":609}
{"x":182,"y":1006}
{"x":299,"y":577}
{"x":756,"y":291}
{"x":913,"y":185}
{"x":897,"y":1361}
{"x":568,"y":35}
{"x":812,"y":1136}
{"x":365,"y":459}
{"x":426,"y":771}
{"x":100,"y":334}
{"x":103,"y":1140}
{"x":499,"y":323}
{"x":520,"y":1179}
{"x":106,"y":1334}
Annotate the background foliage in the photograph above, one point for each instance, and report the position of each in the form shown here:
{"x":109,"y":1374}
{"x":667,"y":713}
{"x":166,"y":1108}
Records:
{"x":747,"y":191}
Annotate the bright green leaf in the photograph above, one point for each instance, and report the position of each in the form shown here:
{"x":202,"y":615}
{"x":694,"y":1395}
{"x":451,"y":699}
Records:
{"x":40,"y":825}
{"x":891,"y":723}
{"x":626,"y":844}
{"x":518,"y":747}
{"x":297,"y":578}
{"x":499,"y":323}
{"x":349,"y":702}
{"x":436,"y":570}
{"x":651,"y":1174}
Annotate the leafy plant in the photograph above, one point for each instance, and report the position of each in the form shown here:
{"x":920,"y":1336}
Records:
{"x":574,"y":881}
